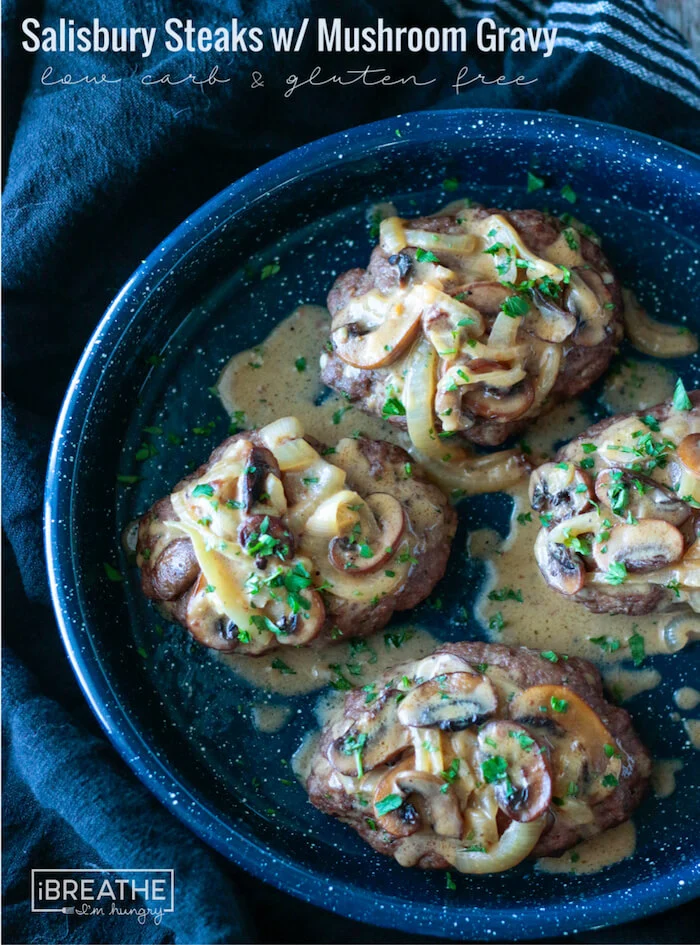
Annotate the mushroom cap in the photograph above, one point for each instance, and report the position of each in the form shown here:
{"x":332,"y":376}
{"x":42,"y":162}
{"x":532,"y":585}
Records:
{"x":366,"y":347}
{"x":649,"y":545}
{"x":689,"y":453}
{"x":560,"y":489}
{"x":625,"y":493}
{"x":345,"y":552}
{"x":590,"y":753}
{"x":416,"y":797}
{"x":492,"y":403}
{"x":379,"y":733}
{"x":175,"y":569}
{"x":561,"y":568}
{"x":213,"y":630}
{"x":524,"y":792}
{"x":451,"y":701}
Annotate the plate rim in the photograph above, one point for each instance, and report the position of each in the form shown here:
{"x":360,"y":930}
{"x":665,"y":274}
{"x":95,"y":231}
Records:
{"x":451,"y":919}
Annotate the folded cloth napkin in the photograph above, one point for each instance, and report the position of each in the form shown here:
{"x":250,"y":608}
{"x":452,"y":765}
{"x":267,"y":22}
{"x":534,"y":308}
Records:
{"x":95,"y":176}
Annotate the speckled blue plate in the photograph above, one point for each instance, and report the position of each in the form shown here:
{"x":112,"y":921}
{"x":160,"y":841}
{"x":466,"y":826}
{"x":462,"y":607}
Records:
{"x":179,"y":717}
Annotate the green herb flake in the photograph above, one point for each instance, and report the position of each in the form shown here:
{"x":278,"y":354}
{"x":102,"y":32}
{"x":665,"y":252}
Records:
{"x":423,"y":255}
{"x":388,"y":803}
{"x":681,"y":401}
{"x":534,"y":182}
{"x":637,"y":650}
{"x":300,"y":364}
{"x":112,"y":572}
{"x":568,"y":193}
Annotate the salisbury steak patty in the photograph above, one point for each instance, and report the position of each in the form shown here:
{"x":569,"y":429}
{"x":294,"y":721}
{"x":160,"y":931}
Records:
{"x":518,"y":309}
{"x":620,"y":512}
{"x":277,"y":540}
{"x":479,"y":756}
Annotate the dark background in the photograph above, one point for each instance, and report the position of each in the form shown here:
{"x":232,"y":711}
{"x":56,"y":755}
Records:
{"x":94,"y":178}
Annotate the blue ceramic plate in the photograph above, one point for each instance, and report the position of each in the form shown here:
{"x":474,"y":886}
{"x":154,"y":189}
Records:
{"x":179,"y":717}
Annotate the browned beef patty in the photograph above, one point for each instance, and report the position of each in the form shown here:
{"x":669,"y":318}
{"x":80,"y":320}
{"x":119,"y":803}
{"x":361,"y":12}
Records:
{"x":641,"y":554}
{"x":488,"y":417}
{"x":171,"y":575}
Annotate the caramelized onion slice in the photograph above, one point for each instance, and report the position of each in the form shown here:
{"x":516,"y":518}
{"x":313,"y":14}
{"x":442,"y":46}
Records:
{"x":517,"y":841}
{"x":649,"y":336}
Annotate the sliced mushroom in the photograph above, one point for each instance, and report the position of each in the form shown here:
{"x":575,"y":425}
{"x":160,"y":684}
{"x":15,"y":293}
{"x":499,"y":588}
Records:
{"x":403,"y":263}
{"x":439,"y":664}
{"x":493,"y":403}
{"x":441,"y":807}
{"x":561,"y":568}
{"x":560,"y":490}
{"x":265,"y":536}
{"x":627,"y":493}
{"x":450,"y":702}
{"x":366,"y":553}
{"x":403,"y":819}
{"x":373,"y":347}
{"x":585,"y":751}
{"x":175,"y":569}
{"x":419,"y":797}
{"x":377,"y":734}
{"x":587,"y":300}
{"x":553,"y":324}
{"x":524,"y":790}
{"x":206,"y":624}
{"x":647,"y":546}
{"x":689,"y":453}
{"x":485,"y":297}
{"x":259,"y":463}
{"x":297,"y":629}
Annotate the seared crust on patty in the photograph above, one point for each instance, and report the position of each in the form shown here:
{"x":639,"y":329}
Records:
{"x":170,"y":572}
{"x":582,"y":361}
{"x":524,"y":670}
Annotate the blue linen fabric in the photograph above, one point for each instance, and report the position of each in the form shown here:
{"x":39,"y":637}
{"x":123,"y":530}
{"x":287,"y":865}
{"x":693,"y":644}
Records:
{"x":95,"y":177}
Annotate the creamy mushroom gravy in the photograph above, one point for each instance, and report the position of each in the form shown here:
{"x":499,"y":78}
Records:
{"x":636,"y":385}
{"x":663,"y":776}
{"x":591,"y":856}
{"x":544,"y":619}
{"x":268,"y":718}
{"x":293,"y":671}
{"x":686,"y":698}
{"x":280,"y":377}
{"x":692,"y":730}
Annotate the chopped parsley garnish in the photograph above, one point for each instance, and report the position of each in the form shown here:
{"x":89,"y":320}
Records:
{"x":397,"y":638}
{"x":568,"y":193}
{"x":127,"y":480}
{"x":607,"y":644}
{"x":112,"y":572}
{"x":524,"y":517}
{"x":203,"y":489}
{"x":558,"y":705}
{"x":449,"y":882}
{"x":497,"y":622}
{"x":637,"y":650}
{"x":393,"y":408}
{"x":534,"y":182}
{"x":681,"y":401}
{"x":300,"y":364}
{"x":494,"y":770}
{"x":651,"y":422}
{"x":388,"y":803}
{"x":271,"y":269}
{"x":506,"y":593}
{"x":515,"y":306}
{"x":571,"y":240}
{"x":616,"y":573}
{"x":609,"y":781}
{"x":282,"y":667}
{"x":450,"y":184}
{"x":550,"y":656}
{"x":423,"y":255}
